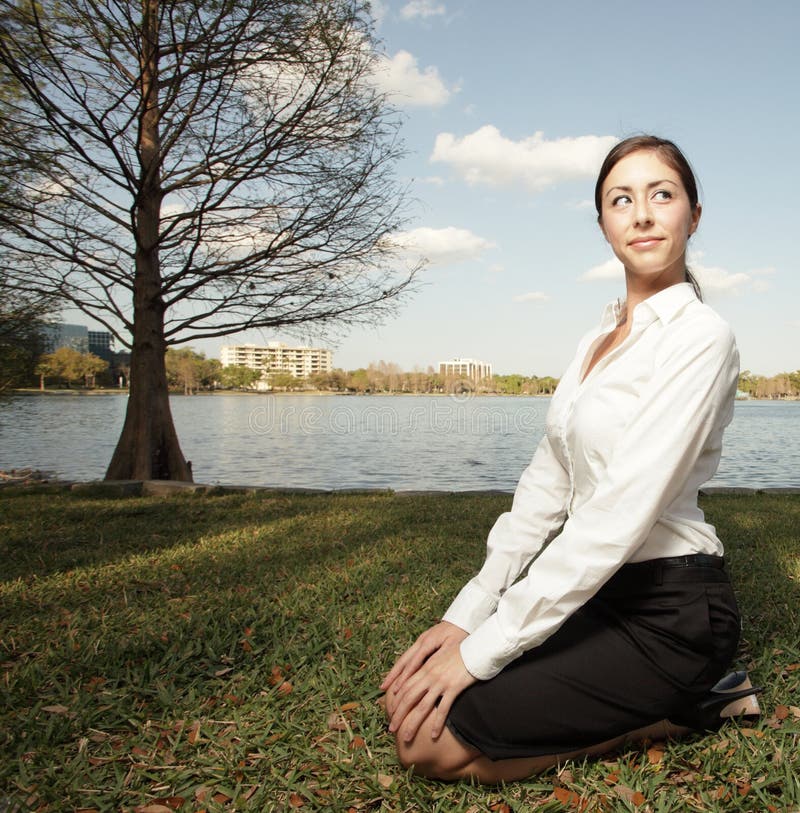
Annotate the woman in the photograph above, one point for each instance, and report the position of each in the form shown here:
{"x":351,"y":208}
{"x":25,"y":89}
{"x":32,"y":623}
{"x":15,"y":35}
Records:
{"x":625,"y":619}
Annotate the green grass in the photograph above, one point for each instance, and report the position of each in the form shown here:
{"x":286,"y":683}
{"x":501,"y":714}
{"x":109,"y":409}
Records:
{"x":224,"y":652}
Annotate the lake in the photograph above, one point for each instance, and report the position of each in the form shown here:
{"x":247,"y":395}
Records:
{"x":409,"y":442}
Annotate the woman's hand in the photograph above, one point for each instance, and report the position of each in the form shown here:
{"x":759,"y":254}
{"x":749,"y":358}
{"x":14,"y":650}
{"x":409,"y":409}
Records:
{"x":430,"y":670}
{"x":442,"y":634}
{"x":432,"y":688}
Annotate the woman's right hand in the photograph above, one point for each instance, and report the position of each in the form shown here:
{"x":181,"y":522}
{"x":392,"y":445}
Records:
{"x":440,"y":636}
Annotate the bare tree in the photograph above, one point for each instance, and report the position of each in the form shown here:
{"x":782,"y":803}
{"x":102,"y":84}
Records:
{"x":194,"y":168}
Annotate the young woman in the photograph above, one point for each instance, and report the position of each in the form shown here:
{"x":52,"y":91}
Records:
{"x":624,"y":620}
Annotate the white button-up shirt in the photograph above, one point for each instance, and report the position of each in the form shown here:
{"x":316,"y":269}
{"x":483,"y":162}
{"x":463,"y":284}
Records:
{"x":613,"y":480}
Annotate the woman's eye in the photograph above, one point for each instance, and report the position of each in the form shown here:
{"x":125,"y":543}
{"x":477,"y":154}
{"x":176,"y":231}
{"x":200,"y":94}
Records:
{"x":620,"y":200}
{"x":663,"y":194}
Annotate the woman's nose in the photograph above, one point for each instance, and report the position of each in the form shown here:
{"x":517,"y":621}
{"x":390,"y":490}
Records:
{"x":642,"y":212}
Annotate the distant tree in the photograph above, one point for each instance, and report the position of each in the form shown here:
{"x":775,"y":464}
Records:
{"x":285,"y":381}
{"x":235,"y":377}
{"x":70,"y":366}
{"x":22,"y":321}
{"x":191,"y":169}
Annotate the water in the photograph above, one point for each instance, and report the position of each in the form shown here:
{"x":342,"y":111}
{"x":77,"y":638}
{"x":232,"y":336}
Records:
{"x":339,"y":441}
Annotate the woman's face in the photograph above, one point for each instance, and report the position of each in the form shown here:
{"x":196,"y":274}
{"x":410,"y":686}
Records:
{"x":647,"y":218}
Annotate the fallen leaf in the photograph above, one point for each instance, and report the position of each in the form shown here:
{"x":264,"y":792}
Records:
{"x":194,"y":733}
{"x":172,"y":802}
{"x":795,"y":711}
{"x":635,"y":797}
{"x":568,"y":797}
{"x":140,"y":752}
{"x":385,"y":781}
{"x":296,"y":800}
{"x":246,"y":645}
{"x":223,"y":672}
{"x":612,"y":778}
{"x":744,"y":789}
{"x":336,"y":722}
{"x":221,"y":798}
{"x":357,"y":742}
{"x":350,"y":706}
{"x":201,"y":794}
{"x":347,"y":633}
{"x":275,"y":676}
{"x":56,"y":709}
{"x":781,"y":712}
{"x":152,"y":808}
{"x":655,"y":754}
{"x":285,"y":688}
{"x":500,"y":807}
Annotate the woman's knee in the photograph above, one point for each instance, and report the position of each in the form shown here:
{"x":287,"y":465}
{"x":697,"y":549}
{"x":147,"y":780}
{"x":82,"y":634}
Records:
{"x":440,"y":758}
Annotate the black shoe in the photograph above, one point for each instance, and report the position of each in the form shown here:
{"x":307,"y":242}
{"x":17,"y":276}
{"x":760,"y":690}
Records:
{"x":733,"y":696}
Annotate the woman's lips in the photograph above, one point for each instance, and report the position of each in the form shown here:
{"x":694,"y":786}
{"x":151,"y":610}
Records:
{"x":644,"y":242}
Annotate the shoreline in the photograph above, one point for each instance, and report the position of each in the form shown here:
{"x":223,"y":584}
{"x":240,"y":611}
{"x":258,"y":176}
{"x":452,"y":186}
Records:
{"x":323,"y":393}
{"x":35,"y":479}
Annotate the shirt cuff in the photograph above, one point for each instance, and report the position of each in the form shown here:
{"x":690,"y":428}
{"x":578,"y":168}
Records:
{"x":486,"y":651}
{"x":471,"y":607}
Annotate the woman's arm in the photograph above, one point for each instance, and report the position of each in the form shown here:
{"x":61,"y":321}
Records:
{"x":687,"y":401}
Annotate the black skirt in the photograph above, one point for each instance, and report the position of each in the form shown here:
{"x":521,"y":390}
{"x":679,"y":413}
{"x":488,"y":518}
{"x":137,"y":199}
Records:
{"x":656,"y":637}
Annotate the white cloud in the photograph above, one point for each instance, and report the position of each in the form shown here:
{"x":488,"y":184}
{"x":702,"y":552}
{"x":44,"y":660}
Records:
{"x":610,"y":269}
{"x":486,"y":156}
{"x":712,"y":279}
{"x":378,"y":9}
{"x":402,"y":80}
{"x":533,"y":296}
{"x":496,"y":268}
{"x":421,"y":8}
{"x":442,"y":246}
{"x":582,"y":204}
{"x":434,"y":180}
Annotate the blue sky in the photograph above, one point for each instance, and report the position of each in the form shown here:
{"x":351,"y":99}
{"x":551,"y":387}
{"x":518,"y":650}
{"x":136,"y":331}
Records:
{"x":509,"y":107}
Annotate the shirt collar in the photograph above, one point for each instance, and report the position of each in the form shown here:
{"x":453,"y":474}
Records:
{"x":663,"y":305}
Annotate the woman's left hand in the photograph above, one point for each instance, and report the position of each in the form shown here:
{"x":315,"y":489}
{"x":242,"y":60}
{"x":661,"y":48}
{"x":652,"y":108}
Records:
{"x":441,"y":678}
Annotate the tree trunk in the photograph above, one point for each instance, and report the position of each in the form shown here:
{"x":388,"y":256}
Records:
{"x":148,"y":447}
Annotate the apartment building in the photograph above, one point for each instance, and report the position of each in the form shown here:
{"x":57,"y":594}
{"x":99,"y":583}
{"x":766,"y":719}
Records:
{"x":472,"y":369}
{"x":276,"y":357}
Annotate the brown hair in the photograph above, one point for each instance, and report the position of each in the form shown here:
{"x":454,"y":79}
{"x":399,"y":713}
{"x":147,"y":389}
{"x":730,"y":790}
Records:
{"x":670,"y":155}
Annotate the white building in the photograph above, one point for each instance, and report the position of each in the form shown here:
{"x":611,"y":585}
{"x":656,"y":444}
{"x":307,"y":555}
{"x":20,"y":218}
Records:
{"x":276,"y":357}
{"x":472,"y":369}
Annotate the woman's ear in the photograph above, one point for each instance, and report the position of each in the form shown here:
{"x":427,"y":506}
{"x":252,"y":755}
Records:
{"x":602,"y":228}
{"x":695,"y":221}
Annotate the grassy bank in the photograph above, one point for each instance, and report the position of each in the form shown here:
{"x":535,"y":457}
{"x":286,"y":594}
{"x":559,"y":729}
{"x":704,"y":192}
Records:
{"x":223,"y":653}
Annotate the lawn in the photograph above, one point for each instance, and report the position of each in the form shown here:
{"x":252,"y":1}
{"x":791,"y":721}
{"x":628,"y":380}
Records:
{"x":223,"y":653}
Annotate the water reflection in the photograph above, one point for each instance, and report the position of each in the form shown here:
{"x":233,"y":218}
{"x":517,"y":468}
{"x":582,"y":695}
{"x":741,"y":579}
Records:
{"x":399,"y":442}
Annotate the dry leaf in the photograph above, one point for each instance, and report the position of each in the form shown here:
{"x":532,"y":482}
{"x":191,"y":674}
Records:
{"x":500,"y":807}
{"x":635,"y":797}
{"x":357,"y":742}
{"x":296,"y":800}
{"x":194,"y":733}
{"x":246,"y":645}
{"x":173,"y":802}
{"x":275,"y":676}
{"x":56,"y":709}
{"x":349,"y":706}
{"x":221,"y":798}
{"x":336,"y":722}
{"x":201,"y":794}
{"x":655,"y":754}
{"x":744,"y":789}
{"x":223,"y":672}
{"x":285,"y":688}
{"x":152,"y":808}
{"x":568,"y":797}
{"x":612,"y":778}
{"x":781,"y":712}
{"x":385,"y":781}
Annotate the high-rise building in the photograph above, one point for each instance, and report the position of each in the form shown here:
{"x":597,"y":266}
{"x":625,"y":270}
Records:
{"x":276,"y":357}
{"x":58,"y":335}
{"x":471,"y":369}
{"x":101,"y":343}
